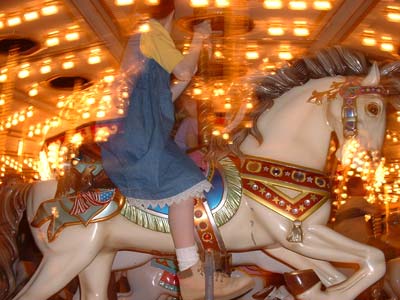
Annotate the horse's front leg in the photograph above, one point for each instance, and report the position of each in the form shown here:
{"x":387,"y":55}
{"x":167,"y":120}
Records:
{"x":54,"y":273}
{"x":323,"y":243}
{"x":328,"y":274}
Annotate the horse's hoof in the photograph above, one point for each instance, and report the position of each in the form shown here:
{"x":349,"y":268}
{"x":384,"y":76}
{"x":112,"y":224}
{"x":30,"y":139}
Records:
{"x":297,"y":282}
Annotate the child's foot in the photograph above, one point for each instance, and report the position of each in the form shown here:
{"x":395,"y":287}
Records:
{"x":192,"y":284}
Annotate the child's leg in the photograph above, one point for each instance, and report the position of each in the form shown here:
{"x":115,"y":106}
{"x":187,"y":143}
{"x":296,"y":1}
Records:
{"x":191,"y":275}
{"x":180,"y":218}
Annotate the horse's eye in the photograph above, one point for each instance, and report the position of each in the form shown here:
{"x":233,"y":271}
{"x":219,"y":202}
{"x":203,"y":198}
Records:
{"x":373,"y":109}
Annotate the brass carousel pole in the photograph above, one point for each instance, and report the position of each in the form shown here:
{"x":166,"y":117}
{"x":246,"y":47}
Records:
{"x":204,"y":105}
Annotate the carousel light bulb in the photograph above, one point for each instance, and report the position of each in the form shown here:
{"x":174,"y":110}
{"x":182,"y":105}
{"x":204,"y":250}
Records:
{"x":301,"y":31}
{"x":14,"y":21}
{"x":24,"y":73}
{"x":44,"y":69}
{"x":225,"y":136}
{"x":152,"y":2}
{"x":297,"y":5}
{"x":100,"y":114}
{"x":198,"y":3}
{"x":276,"y":31}
{"x":46,"y":128}
{"x":144,"y":27}
{"x":49,"y":10}
{"x":3,"y":77}
{"x":31,"y":15}
{"x":285,"y":55}
{"x":29,"y":113}
{"x":218,"y":54}
{"x":106,"y":98}
{"x":222,"y":3}
{"x":216,"y":132}
{"x":14,"y":122}
{"x":387,"y":47}
{"x":52,"y":41}
{"x":228,"y":105}
{"x":20,"y":147}
{"x":72,"y":36}
{"x":1,"y":24}
{"x":86,"y":115}
{"x":34,"y":90}
{"x":123,"y":2}
{"x":109,"y":78}
{"x":197,"y":91}
{"x":252,"y":55}
{"x":68,"y":65}
{"x":272,"y":4}
{"x":94,"y":59}
{"x":322,"y":5}
{"x":249,"y":105}
{"x":90,"y":101}
{"x":393,"y":16}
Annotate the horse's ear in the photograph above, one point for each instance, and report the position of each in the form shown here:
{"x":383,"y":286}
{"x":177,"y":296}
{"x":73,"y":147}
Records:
{"x":373,"y":76}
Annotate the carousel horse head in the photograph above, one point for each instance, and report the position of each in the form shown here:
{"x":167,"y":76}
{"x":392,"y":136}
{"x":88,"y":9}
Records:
{"x":360,"y":115}
{"x":299,"y":106}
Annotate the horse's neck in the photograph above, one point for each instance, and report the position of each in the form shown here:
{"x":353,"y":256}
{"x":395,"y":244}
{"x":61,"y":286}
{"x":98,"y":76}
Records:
{"x":294,"y":130}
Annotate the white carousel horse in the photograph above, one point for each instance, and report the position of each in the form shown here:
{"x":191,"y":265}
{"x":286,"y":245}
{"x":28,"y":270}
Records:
{"x":296,"y":133}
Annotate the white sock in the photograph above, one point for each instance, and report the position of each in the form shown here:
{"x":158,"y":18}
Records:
{"x":187,"y":257}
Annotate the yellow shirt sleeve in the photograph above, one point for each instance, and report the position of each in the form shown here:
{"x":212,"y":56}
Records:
{"x":158,"y":45}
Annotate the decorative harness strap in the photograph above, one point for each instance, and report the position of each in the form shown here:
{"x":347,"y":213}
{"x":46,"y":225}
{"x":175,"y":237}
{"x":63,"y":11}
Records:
{"x":350,"y":91}
{"x":289,"y":190}
{"x":206,"y":228}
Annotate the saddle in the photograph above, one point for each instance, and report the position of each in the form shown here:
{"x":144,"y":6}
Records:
{"x":85,"y":172}
{"x":84,"y":195}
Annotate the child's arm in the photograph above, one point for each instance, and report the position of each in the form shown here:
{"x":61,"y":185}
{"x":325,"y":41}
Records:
{"x":187,"y":67}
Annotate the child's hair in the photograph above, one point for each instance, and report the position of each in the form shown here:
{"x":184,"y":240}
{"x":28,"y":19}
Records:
{"x":159,"y":11}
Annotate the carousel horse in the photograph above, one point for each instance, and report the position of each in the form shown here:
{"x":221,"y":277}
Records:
{"x":282,"y":206}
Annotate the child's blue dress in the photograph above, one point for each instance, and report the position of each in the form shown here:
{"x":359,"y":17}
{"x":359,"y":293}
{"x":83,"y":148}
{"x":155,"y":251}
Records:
{"x":142,"y":160}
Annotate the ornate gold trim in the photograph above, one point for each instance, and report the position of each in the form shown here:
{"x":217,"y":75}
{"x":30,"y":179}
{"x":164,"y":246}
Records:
{"x":283,"y":212}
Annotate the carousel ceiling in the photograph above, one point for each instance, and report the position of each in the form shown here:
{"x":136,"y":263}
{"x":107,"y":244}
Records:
{"x":58,"y":58}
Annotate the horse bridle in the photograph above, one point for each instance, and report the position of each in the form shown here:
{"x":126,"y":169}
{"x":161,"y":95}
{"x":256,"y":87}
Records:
{"x":350,"y":92}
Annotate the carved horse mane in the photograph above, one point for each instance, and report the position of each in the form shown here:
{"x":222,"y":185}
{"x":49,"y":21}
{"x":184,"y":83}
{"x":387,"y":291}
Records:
{"x":329,"y":62}
{"x":12,"y":207}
